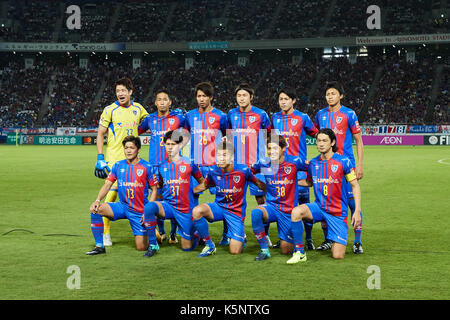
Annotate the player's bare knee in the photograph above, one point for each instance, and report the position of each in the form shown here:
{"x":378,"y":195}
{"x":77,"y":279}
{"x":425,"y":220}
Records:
{"x":197,"y":213}
{"x":296,"y":214}
{"x":338,"y":256}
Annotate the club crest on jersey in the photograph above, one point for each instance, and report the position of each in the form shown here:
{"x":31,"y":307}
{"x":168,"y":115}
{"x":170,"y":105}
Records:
{"x":236,"y":179}
{"x":135,"y":112}
{"x":211,"y":120}
{"x":139,"y":172}
{"x":182,"y":169}
{"x":252,"y":119}
{"x":334,"y":167}
{"x":287,"y":170}
{"x":171,"y":121}
{"x":294,"y":122}
{"x":338,"y":119}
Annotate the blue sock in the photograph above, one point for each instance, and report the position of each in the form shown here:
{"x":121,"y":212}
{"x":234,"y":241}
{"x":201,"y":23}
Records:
{"x":173,"y":226}
{"x":324,"y":229}
{"x":258,"y":228}
{"x":161,"y":225}
{"x":308,"y":230}
{"x":203,"y":229}
{"x":266,"y":228}
{"x":225,"y":228}
{"x":150,"y":211}
{"x":97,"y":228}
{"x":297,"y":232}
{"x":358,"y":231}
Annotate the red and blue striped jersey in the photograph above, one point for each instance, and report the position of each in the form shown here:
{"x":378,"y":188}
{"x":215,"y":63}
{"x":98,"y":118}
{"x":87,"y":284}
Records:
{"x":344,"y":123}
{"x":231,"y":187}
{"x":281,"y":181}
{"x":248,"y":139}
{"x":158,"y":126}
{"x":328,"y":177}
{"x":206,"y":129}
{"x":133,"y":181}
{"x":294,"y":127}
{"x":177,"y":187}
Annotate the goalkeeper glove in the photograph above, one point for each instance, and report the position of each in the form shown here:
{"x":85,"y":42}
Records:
{"x":101,"y":167}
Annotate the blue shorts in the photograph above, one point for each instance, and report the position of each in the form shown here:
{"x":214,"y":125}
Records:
{"x":120,"y":211}
{"x":254,"y":190}
{"x":303,"y":192}
{"x":235,"y":224}
{"x":283,"y":221}
{"x":184,"y":220}
{"x":337,"y":226}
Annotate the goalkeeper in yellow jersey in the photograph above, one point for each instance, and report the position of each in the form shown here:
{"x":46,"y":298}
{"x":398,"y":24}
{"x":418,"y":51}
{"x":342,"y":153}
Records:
{"x":118,"y":120}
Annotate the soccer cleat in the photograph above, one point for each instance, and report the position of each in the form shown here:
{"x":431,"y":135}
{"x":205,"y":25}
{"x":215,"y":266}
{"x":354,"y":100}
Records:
{"x":107,"y":242}
{"x":326,"y":245}
{"x":357,"y":248}
{"x":96,"y":250}
{"x":297,"y":257}
{"x":224,"y":241}
{"x":309,"y":245}
{"x":276,"y":245}
{"x":207,"y":251}
{"x":152,"y":249}
{"x":173,"y":238}
{"x":263,"y":255}
{"x":160,"y":237}
{"x":269,"y":243}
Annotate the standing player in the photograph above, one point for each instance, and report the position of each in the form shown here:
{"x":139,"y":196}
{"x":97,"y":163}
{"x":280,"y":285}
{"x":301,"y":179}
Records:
{"x":207,"y":125}
{"x":158,"y":123}
{"x":280,"y":174}
{"x":118,"y":120}
{"x":246,"y":122}
{"x":231,"y":182}
{"x":294,"y":125}
{"x":327,"y":174}
{"x":133,"y":176}
{"x":344,"y":122}
{"x":177,"y":190}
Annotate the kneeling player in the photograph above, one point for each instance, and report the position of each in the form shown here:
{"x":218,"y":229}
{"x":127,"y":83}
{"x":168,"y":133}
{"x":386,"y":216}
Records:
{"x":133,"y":176}
{"x":326,"y":174}
{"x":280,"y":173}
{"x":231,"y":181}
{"x":178,"y":197}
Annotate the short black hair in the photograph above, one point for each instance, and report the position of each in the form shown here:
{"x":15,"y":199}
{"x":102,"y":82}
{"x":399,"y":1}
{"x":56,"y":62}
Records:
{"x":225,"y":145}
{"x":206,"y":87}
{"x":135,"y":140}
{"x":126,"y":82}
{"x":277,"y":138}
{"x":290,"y":92}
{"x":245,"y":86}
{"x":330,"y":133}
{"x":163,"y":91}
{"x":335,"y":85}
{"x":173,"y":135}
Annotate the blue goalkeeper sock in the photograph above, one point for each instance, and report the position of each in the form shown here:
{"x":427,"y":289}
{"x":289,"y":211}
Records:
{"x":297,"y":232}
{"x":97,"y":228}
{"x":203,"y":229}
{"x":358,"y":231}
{"x":150,"y":211}
{"x":258,"y":228}
{"x":308,"y":230}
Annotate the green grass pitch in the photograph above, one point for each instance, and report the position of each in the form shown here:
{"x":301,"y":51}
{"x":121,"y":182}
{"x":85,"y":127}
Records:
{"x":47,"y":191}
